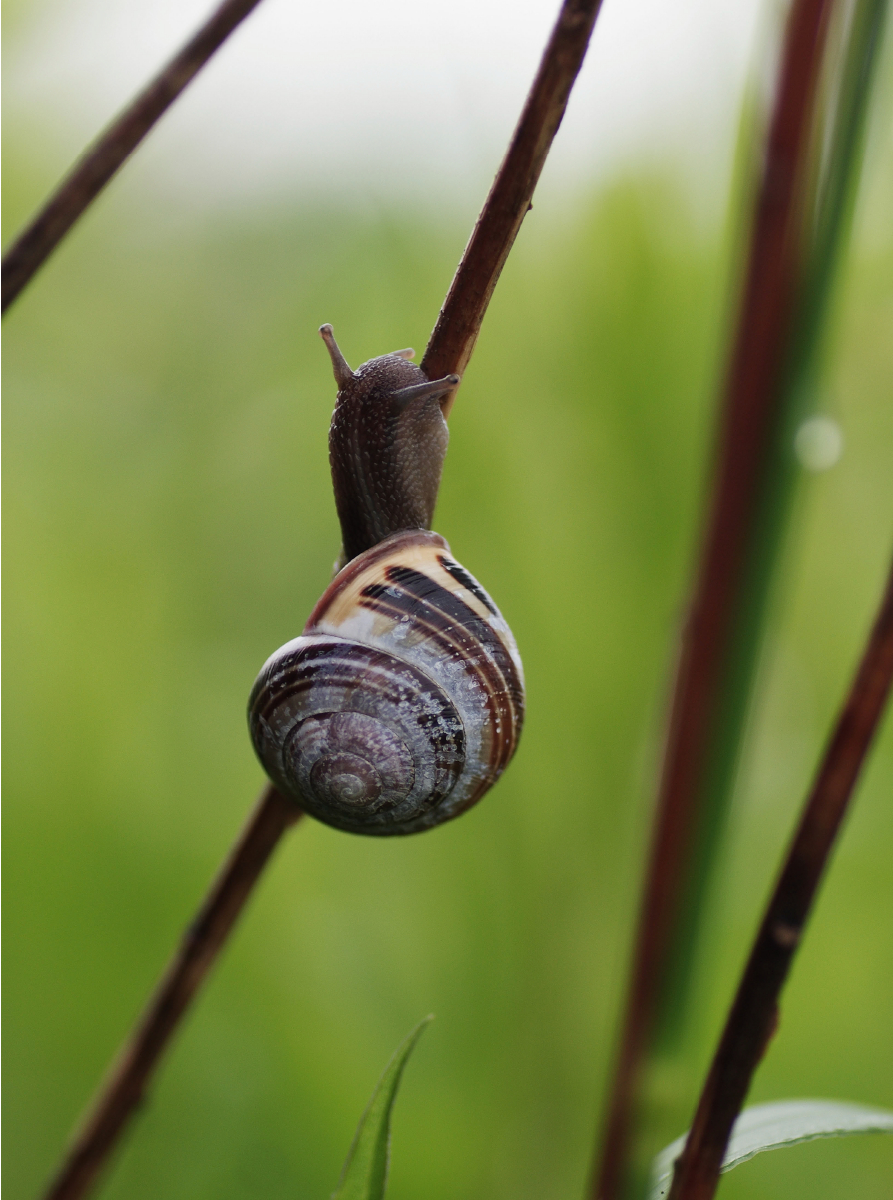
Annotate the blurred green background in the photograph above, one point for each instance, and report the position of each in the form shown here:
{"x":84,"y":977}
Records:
{"x":169,"y":523}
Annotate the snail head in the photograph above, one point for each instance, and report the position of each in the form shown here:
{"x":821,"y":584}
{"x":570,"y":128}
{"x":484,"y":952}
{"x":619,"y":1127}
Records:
{"x":387,"y":443}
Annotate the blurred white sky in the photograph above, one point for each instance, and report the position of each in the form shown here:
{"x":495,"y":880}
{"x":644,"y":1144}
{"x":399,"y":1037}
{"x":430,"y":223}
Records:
{"x":401,"y":97}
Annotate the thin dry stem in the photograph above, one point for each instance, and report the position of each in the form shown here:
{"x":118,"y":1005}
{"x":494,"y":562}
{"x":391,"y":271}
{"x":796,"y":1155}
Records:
{"x":126,"y":1083}
{"x":455,"y":332}
{"x":751,"y":397}
{"x":100,"y":161}
{"x":751,"y":1020}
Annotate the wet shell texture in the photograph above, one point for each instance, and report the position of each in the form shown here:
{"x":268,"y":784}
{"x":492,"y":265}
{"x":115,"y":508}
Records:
{"x":402,"y":701}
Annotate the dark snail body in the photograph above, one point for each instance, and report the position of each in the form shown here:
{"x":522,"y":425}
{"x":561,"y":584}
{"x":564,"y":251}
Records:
{"x":387,"y":444}
{"x":402,"y":701}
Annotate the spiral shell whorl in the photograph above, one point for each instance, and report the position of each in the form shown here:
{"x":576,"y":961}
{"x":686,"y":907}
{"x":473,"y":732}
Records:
{"x":402,"y":701}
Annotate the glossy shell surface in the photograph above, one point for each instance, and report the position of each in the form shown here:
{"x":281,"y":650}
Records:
{"x":402,"y":701}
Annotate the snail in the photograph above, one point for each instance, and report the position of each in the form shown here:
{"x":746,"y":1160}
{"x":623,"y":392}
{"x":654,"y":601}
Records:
{"x":402,"y":701}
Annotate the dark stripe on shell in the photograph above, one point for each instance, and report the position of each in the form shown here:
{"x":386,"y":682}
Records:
{"x":298,"y":672}
{"x":468,"y":581}
{"x":451,"y":624}
{"x":360,"y":564}
{"x":430,"y":592}
{"x":462,"y":649}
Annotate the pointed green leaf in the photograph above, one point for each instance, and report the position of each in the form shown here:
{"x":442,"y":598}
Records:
{"x":771,"y":1126}
{"x":365,"y":1172}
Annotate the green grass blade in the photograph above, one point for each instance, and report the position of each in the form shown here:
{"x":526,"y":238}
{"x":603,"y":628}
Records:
{"x":837,"y":189}
{"x":365,"y":1172}
{"x":832,"y":203}
{"x":772,"y":1126}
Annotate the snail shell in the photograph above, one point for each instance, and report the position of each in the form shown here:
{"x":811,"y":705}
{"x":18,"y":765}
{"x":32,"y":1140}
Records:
{"x":402,"y":701}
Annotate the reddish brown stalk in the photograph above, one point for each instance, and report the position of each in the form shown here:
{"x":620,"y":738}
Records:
{"x":751,"y":1020}
{"x":455,"y":332}
{"x":751,"y":394}
{"x":126,"y":1083}
{"x":100,"y":161}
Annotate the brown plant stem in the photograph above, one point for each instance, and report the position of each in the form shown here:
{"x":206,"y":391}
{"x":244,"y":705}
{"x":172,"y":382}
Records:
{"x":101,"y":160}
{"x":751,"y":398}
{"x":455,"y":332}
{"x":125,"y":1086}
{"x":751,"y":1019}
